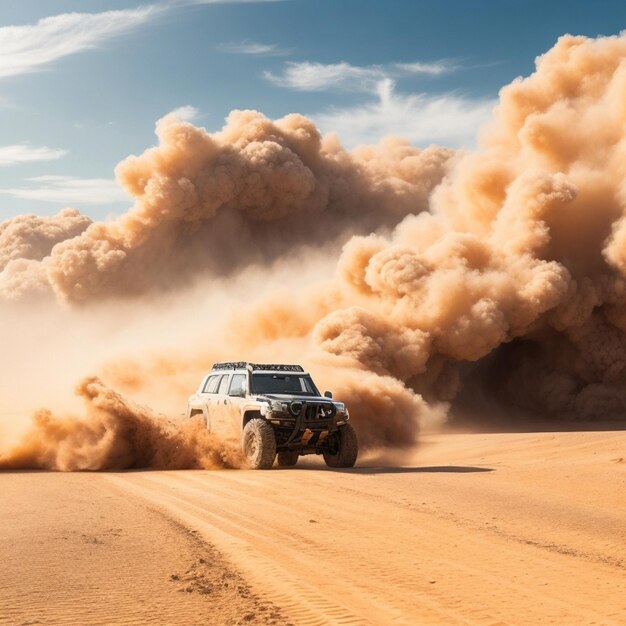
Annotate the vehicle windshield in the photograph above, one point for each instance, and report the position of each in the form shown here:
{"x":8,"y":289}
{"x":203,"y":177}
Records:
{"x":297,"y":384}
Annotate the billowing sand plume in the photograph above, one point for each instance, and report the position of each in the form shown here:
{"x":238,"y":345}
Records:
{"x":25,"y":240}
{"x":115,"y":434}
{"x":520,"y":252}
{"x":271,"y":187}
{"x":32,"y":237}
{"x":495,"y":275}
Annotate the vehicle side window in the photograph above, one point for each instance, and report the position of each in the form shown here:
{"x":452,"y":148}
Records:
{"x":238,"y":386}
{"x":211,"y":384}
{"x":223,"y":384}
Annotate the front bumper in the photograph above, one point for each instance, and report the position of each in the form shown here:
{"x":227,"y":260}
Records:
{"x":308,"y":431}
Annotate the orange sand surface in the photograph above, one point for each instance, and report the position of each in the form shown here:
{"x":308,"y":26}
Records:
{"x":516,"y":528}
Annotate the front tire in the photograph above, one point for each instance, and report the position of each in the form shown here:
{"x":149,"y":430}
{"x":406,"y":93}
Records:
{"x":343,"y":448}
{"x":288,"y":458}
{"x":258,"y":443}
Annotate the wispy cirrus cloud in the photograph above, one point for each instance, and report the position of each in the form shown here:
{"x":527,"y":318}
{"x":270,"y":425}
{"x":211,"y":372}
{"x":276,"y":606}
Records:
{"x":442,"y":66}
{"x":253,"y":48}
{"x":187,"y":2}
{"x":23,"y":153}
{"x":311,"y":76}
{"x":30,"y":47}
{"x":69,"y":190}
{"x":449,"y":119}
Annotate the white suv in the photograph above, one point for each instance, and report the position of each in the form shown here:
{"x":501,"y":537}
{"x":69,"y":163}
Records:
{"x":276,"y":411}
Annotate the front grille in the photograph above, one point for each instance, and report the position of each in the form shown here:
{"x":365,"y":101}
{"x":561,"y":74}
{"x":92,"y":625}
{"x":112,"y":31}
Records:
{"x":322,"y":411}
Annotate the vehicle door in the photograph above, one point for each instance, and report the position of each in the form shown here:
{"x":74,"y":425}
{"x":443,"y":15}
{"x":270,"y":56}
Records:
{"x":220,"y":408}
{"x":206,"y":397}
{"x":237,"y":391}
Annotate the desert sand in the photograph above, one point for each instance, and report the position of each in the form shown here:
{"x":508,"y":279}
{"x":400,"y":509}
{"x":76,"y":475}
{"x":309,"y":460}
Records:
{"x":515,"y":528}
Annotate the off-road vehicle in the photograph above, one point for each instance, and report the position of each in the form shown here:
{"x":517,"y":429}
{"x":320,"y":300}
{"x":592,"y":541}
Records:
{"x":275,"y":410}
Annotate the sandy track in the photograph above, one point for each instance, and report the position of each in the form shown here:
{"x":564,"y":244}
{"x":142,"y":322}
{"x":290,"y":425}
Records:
{"x":487,"y":529}
{"x":482,"y":529}
{"x":74,"y":549}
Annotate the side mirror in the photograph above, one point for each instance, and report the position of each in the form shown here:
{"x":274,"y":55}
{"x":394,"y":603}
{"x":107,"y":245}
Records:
{"x":328,"y":394}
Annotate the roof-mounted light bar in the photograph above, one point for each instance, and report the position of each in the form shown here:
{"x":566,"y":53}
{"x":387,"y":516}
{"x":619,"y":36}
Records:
{"x":240,"y":365}
{"x":276,"y":367}
{"x":272,"y":367}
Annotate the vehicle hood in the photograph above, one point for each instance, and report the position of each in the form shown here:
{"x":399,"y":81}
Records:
{"x":288,"y":397}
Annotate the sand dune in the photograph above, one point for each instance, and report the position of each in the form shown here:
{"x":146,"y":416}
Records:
{"x":476,"y":529}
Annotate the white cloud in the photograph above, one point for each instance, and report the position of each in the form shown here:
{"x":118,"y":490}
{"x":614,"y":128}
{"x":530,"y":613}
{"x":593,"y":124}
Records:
{"x":253,"y":48}
{"x":448,"y":119}
{"x":30,"y":47}
{"x":438,"y":67}
{"x":23,"y":153}
{"x":186,"y":113}
{"x":183,"y":2}
{"x":310,"y":76}
{"x":69,"y":190}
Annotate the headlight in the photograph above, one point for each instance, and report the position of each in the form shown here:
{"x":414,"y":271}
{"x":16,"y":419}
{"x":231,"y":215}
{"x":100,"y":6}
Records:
{"x":280,"y":407}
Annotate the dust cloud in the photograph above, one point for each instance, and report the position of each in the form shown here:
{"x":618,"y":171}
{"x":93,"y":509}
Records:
{"x":115,"y":434}
{"x":214,"y":203}
{"x":416,"y":283}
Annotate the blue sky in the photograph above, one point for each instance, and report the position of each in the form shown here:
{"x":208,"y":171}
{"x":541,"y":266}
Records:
{"x":83,"y":82}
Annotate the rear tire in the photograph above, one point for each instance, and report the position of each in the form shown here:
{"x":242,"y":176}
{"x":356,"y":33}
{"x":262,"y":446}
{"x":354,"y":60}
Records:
{"x":343,"y":448}
{"x":258,"y":444}
{"x":288,"y":458}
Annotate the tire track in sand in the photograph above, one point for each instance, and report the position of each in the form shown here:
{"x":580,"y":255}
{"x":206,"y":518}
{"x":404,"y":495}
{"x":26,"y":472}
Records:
{"x":330,"y":548}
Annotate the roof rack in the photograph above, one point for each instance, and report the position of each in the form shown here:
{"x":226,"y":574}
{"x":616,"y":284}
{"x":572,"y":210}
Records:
{"x":276,"y":367}
{"x":239,"y":365}
{"x":272,"y":367}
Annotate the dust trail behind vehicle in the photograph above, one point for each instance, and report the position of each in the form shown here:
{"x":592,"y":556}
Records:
{"x":114,"y":433}
{"x":498,"y":273}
